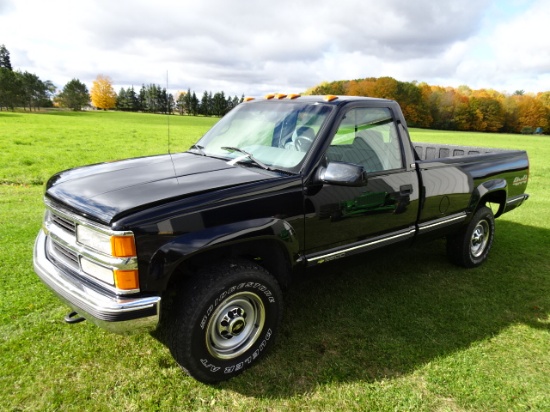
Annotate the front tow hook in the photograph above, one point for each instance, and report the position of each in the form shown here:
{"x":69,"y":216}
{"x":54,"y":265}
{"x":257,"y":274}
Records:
{"x":74,"y":317}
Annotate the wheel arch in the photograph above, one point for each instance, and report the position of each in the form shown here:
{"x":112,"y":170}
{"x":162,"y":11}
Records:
{"x":273,"y":245}
{"x":490,"y":191}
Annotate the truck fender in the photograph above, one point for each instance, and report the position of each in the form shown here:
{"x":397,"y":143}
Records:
{"x":495,"y":190}
{"x":172,"y":254}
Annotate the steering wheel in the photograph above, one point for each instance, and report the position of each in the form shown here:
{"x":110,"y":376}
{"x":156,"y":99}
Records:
{"x":303,"y":143}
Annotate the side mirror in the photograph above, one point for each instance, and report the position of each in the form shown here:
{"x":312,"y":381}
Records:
{"x":343,"y":174}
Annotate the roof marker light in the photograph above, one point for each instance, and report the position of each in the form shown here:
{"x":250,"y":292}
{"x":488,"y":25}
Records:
{"x":247,"y":99}
{"x":293,"y":96}
{"x":280,"y":96}
{"x":330,"y":97}
{"x":270,"y":96}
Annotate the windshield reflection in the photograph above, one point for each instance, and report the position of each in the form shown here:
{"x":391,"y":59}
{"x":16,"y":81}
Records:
{"x":277,"y":134}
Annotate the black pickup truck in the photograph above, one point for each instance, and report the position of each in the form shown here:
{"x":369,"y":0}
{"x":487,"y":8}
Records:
{"x":279,"y":184}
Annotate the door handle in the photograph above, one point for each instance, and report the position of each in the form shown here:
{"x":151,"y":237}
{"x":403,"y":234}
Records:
{"x":406,"y":189}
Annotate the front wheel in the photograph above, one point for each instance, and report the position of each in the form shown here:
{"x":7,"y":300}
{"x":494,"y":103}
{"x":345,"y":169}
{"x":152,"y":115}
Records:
{"x":226,"y":320}
{"x":471,"y":246}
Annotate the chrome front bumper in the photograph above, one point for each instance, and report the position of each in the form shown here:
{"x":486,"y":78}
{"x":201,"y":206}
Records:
{"x":119,"y":314}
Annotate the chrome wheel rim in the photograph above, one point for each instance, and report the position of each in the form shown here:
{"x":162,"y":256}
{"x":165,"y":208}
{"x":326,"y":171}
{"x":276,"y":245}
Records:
{"x":480,"y":239}
{"x":235,"y":325}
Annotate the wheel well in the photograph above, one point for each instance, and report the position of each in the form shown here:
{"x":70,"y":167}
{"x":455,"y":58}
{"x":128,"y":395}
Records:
{"x":269,"y":254}
{"x":498,"y":197}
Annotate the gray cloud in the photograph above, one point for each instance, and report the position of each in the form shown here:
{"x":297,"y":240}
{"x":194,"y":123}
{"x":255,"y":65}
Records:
{"x":242,"y":42}
{"x":6,"y":6}
{"x":228,"y":33}
{"x":259,"y":46}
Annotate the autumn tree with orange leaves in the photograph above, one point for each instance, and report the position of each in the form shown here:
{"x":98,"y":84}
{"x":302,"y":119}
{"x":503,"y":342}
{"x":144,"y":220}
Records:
{"x":451,"y":108}
{"x":102,"y":93}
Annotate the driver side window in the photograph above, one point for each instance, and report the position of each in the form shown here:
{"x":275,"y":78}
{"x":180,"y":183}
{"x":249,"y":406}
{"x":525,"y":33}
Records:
{"x":367,"y":137}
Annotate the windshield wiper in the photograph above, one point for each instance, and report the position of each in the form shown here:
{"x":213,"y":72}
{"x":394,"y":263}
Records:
{"x":199,"y":149}
{"x":246,"y":155}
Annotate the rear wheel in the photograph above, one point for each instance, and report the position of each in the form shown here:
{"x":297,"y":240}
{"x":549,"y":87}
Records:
{"x":226,"y":319}
{"x":471,"y":246}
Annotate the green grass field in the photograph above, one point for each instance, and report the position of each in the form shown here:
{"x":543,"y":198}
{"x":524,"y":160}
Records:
{"x":391,"y":331}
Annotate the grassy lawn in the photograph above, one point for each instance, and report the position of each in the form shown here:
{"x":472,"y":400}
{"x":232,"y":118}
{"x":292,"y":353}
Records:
{"x":399,"y":330}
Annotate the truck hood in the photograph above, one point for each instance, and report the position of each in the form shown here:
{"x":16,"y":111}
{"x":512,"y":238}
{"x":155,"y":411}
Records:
{"x":104,"y":191}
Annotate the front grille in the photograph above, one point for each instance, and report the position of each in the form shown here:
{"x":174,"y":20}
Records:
{"x":64,"y":223}
{"x":68,"y":256}
{"x":59,"y":251}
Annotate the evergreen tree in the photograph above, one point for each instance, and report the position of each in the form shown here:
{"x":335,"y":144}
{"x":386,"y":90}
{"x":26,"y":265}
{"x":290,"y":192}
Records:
{"x":33,"y":91}
{"x":194,"y":105}
{"x":210,"y":101}
{"x":187,"y":102}
{"x":5,"y":58}
{"x":205,"y":106}
{"x":236,"y":101}
{"x":133,"y":99}
{"x":219,"y":104}
{"x":142,"y":100}
{"x":10,"y":88}
{"x":74,"y":95}
{"x":163,"y":102}
{"x":151,"y":98}
{"x":122,"y":102}
{"x":229,"y":103}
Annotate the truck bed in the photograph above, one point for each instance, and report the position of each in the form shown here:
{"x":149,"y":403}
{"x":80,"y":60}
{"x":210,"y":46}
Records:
{"x":455,"y":172}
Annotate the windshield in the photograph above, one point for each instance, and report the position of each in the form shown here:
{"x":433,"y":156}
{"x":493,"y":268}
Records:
{"x":270,"y":134}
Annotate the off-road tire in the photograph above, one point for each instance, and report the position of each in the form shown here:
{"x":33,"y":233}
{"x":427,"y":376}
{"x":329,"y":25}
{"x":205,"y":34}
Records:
{"x":225,"y":319}
{"x":470,"y":247}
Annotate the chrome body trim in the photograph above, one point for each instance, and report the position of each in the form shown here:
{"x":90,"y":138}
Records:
{"x":446,"y":221}
{"x":517,"y":199}
{"x":360,"y":247}
{"x":514,"y":202}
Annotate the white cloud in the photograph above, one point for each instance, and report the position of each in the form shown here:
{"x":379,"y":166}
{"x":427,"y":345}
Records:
{"x":255,"y":47}
{"x":523,"y":43}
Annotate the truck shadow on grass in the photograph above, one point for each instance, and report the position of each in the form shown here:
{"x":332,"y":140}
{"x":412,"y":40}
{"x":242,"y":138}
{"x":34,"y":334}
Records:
{"x":384,"y":314}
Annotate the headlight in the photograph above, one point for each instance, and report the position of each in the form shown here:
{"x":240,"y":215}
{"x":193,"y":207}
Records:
{"x":117,"y":246}
{"x":94,"y":239}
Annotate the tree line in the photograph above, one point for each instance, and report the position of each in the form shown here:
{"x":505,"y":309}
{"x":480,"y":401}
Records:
{"x":27,"y":90}
{"x":153,"y":98}
{"x":22,"y":89}
{"x":150,"y":98}
{"x":449,"y":108}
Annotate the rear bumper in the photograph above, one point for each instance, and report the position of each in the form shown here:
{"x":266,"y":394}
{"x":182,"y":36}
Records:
{"x":119,"y":314}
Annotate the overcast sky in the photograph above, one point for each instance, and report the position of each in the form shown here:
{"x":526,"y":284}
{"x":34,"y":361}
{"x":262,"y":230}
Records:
{"x":261,"y":46}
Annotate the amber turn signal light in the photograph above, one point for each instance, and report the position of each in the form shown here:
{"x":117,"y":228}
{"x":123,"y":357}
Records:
{"x":123,"y":246}
{"x":126,"y":279}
